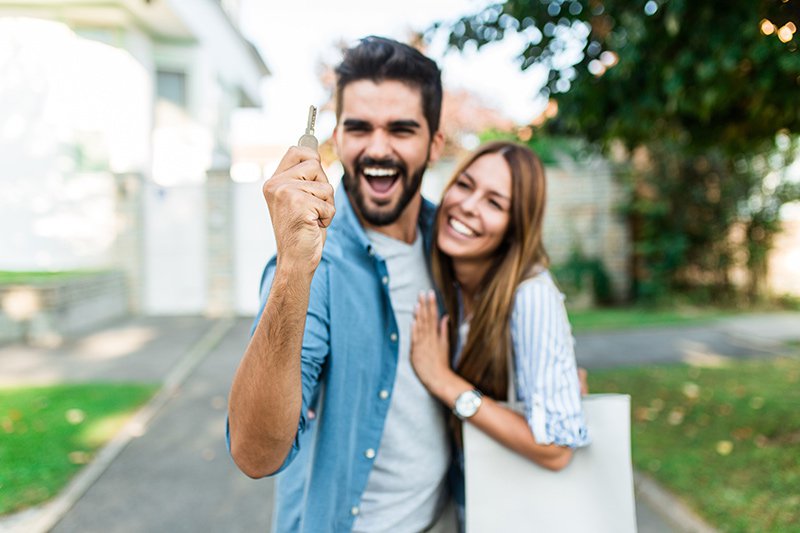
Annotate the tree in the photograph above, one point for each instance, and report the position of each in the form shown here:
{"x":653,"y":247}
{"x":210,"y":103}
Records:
{"x":700,"y":102}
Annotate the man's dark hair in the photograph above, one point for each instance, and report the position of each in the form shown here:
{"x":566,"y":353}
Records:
{"x":379,"y":59}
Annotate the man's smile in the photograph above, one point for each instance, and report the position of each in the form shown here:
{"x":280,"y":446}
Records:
{"x":381,"y":178}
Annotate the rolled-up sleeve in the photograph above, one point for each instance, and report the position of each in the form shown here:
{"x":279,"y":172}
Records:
{"x":546,"y":373}
{"x":316,"y":346}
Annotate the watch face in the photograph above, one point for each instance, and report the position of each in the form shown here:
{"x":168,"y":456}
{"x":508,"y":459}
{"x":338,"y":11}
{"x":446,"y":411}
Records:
{"x":467,"y":404}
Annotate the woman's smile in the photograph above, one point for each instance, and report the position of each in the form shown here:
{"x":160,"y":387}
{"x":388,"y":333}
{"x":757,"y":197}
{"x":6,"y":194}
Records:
{"x":475,"y":210}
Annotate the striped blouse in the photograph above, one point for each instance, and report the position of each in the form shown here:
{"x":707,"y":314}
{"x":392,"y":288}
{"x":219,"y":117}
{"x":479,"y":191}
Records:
{"x":545,"y":368}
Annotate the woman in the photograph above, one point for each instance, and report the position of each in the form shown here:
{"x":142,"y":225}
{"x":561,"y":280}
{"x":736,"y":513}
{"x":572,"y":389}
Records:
{"x":491,"y":267}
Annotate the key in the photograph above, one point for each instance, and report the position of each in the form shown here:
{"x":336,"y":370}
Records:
{"x":308,"y":140}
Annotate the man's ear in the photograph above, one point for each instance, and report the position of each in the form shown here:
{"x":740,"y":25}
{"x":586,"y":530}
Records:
{"x":437,"y":146}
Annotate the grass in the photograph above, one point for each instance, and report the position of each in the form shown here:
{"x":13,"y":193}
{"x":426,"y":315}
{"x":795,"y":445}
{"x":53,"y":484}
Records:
{"x":636,"y":317}
{"x":727,"y":440}
{"x":11,"y":277}
{"x":49,"y":433}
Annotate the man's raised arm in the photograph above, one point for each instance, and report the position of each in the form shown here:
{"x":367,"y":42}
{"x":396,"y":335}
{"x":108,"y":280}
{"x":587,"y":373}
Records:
{"x":266,"y":395}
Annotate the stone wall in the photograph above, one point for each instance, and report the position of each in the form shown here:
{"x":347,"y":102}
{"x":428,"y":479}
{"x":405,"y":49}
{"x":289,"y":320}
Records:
{"x":221,"y":243}
{"x":582,"y":214}
{"x":783,"y":277}
{"x":129,"y":244}
{"x":50,"y":310}
{"x":10,"y":330}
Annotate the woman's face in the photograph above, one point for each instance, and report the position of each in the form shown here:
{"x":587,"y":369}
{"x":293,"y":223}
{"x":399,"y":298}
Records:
{"x":476,"y":210}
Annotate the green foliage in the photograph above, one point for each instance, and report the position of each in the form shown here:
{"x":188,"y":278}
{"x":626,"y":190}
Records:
{"x":696,"y":104}
{"x":689,"y":67}
{"x":578,"y":270}
{"x":49,"y":433}
{"x":550,"y":148}
{"x":725,"y":439}
{"x":788,"y":301}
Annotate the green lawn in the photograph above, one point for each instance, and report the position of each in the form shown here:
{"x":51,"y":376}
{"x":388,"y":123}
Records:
{"x":49,"y":433}
{"x":727,"y":440}
{"x":13,"y":277}
{"x":634,"y":317}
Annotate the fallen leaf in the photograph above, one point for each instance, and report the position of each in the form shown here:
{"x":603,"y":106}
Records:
{"x":725,"y":409}
{"x":675,"y":417}
{"x":756,"y":402}
{"x":724,"y":447}
{"x":645,"y":414}
{"x":75,"y":416}
{"x":78,"y":457}
{"x":691,"y":390}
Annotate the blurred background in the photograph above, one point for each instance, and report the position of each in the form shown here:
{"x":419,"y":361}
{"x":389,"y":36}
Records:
{"x":135,"y":136}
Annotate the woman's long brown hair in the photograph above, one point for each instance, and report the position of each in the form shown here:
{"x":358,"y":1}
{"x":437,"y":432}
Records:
{"x":484,"y":357}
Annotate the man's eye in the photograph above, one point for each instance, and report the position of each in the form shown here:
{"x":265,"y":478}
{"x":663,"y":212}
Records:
{"x":355,"y":129}
{"x":402,"y":131}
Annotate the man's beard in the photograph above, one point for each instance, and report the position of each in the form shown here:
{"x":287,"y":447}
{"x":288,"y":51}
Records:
{"x":409,"y":184}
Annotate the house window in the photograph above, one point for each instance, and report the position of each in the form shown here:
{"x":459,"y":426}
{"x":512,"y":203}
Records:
{"x":171,"y":86}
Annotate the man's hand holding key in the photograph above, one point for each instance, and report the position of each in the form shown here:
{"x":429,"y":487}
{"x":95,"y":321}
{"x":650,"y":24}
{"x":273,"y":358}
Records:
{"x":300,"y":202}
{"x":266,"y":395}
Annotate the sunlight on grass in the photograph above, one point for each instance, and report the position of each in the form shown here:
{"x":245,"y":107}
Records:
{"x":49,"y":433}
{"x":634,"y":317}
{"x":96,"y":433}
{"x":725,"y":439}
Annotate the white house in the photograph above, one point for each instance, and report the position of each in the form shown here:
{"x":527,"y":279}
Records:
{"x":115,"y":141}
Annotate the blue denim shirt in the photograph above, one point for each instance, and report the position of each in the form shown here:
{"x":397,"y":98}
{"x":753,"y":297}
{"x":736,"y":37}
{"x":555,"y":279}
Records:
{"x":349,"y":360}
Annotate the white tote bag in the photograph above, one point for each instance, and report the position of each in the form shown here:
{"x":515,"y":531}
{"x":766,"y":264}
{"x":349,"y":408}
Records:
{"x":506,"y":492}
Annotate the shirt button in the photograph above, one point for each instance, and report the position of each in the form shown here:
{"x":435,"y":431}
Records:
{"x":385,"y":280}
{"x":370,"y":453}
{"x":383,"y":394}
{"x":370,"y":251}
{"x":354,"y":511}
{"x":393,"y":336}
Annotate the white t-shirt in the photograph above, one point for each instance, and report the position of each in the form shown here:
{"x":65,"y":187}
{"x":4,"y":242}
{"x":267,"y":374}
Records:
{"x":407,"y":485}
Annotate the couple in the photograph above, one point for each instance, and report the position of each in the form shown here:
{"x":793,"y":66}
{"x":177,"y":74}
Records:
{"x":346,"y":383}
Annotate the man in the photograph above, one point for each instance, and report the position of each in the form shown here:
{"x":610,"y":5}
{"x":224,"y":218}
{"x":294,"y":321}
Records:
{"x":333,"y":335}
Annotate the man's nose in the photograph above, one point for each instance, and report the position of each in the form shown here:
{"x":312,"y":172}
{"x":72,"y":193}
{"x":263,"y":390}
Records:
{"x":379,"y":146}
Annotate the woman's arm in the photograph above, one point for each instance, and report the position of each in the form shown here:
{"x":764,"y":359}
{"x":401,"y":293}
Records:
{"x":547,"y":378}
{"x":429,"y":357}
{"x":507,"y":427}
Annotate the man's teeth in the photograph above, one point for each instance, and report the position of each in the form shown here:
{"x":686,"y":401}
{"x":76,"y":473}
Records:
{"x":379,"y":172}
{"x":461,"y":228}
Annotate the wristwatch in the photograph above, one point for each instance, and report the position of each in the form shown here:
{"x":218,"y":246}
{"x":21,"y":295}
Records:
{"x":467,"y":403}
